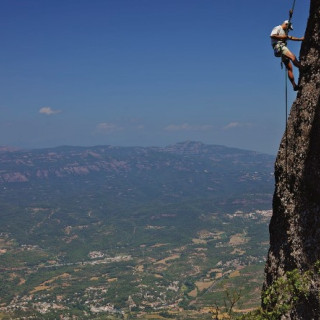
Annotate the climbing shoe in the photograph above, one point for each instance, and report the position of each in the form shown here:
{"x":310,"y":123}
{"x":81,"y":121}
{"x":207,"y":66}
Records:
{"x":297,"y":87}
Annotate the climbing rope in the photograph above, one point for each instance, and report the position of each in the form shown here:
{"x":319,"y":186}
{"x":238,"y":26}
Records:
{"x":286,"y":146}
{"x":291,"y":10}
{"x":286,"y":94}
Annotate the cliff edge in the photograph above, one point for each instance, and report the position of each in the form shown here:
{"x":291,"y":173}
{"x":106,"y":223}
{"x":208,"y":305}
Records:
{"x":295,"y":224}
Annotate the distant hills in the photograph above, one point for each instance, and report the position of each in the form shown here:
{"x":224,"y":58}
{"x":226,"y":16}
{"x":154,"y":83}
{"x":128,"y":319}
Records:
{"x":180,"y":171}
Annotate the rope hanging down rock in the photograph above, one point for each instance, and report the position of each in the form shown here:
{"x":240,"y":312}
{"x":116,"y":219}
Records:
{"x":286,"y":93}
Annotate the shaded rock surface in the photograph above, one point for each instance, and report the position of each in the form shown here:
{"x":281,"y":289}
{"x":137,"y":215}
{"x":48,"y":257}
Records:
{"x":295,"y":224}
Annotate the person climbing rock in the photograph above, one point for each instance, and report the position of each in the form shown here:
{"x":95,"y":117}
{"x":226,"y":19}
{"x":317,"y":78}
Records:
{"x":279,"y":37}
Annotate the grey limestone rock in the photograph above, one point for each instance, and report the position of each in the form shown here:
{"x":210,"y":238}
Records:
{"x":295,"y":224}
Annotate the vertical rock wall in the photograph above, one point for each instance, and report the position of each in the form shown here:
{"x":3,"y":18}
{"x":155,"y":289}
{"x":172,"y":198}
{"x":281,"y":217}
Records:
{"x":295,"y":224}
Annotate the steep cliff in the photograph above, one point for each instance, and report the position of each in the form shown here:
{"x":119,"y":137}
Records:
{"x":295,"y":224}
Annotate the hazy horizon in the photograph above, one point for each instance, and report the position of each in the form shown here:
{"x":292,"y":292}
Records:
{"x":130,"y":146}
{"x":143,"y":73}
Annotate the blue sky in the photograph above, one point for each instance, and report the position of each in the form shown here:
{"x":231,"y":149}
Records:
{"x":143,"y":72}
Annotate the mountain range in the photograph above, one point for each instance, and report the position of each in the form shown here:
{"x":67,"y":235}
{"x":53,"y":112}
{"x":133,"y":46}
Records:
{"x":180,"y":171}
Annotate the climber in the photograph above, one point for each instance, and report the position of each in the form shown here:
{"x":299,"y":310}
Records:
{"x":279,"y":37}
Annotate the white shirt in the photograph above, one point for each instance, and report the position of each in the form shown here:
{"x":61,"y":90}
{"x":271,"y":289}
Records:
{"x":277,"y":31}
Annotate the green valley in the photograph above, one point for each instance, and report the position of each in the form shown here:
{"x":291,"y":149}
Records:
{"x":107,"y":233}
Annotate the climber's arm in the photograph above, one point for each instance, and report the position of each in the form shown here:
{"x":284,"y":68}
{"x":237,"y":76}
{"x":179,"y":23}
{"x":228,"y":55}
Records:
{"x":295,"y":38}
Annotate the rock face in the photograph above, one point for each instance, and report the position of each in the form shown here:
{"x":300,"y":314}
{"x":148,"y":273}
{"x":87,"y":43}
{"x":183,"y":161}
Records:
{"x":295,"y":224}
